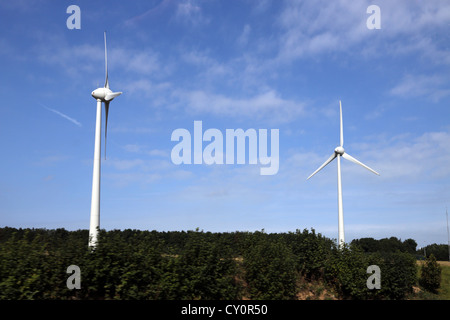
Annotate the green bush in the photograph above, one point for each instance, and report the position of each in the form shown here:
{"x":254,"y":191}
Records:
{"x":269,"y":269}
{"x":204,"y":270}
{"x":398,"y":273}
{"x":440,"y":251}
{"x":311,"y":252}
{"x":430,"y":276}
{"x":134,"y":264}
{"x":346,"y":271}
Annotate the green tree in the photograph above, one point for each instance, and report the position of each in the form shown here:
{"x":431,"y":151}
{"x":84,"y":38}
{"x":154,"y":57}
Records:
{"x":311,"y":252}
{"x":346,"y":271}
{"x":440,"y":251}
{"x":410,"y":246}
{"x":204,"y":270}
{"x":269,"y":268}
{"x":430,"y":276}
{"x":398,"y":273}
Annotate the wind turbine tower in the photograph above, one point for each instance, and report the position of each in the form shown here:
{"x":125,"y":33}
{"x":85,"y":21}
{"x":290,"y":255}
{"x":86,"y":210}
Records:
{"x":448,"y":235}
{"x":104,"y":95}
{"x":338,"y":153}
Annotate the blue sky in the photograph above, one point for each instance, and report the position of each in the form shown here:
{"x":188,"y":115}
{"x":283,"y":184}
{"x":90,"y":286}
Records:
{"x":230,"y":64}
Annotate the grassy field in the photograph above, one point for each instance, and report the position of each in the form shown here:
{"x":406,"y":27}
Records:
{"x":444,"y":290}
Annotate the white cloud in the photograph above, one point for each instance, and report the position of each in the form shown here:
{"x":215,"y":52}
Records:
{"x":142,"y":61}
{"x":73,"y":60}
{"x":406,"y":158}
{"x":143,"y":89}
{"x":126,"y":164}
{"x":267,"y":105}
{"x":414,"y":162}
{"x":320,"y":26}
{"x":76,"y":60}
{"x":244,"y":37}
{"x":316,"y":27}
{"x":137,"y":148}
{"x":414,"y":17}
{"x":124,"y":179}
{"x":189,"y":11}
{"x":421,"y":85}
{"x":210,"y":68}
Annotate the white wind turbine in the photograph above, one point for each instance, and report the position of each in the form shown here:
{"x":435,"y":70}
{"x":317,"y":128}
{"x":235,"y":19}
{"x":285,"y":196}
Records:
{"x":338,"y":152}
{"x":101,"y":95}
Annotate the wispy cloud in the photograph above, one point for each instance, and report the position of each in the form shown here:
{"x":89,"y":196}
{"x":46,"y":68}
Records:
{"x":244,"y":37}
{"x":153,"y":12}
{"x":51,"y":160}
{"x":310,"y":28}
{"x":421,"y":85}
{"x":136,"y":148}
{"x":189,"y":11}
{"x":267,"y":105}
{"x":74,"y":121}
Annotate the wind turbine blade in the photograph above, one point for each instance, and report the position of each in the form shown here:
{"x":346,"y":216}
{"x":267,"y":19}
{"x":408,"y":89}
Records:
{"x":342,"y":128}
{"x":106,"y":122}
{"x":349,"y":157}
{"x":106,"y":65}
{"x":112,"y":95}
{"x":324,"y":164}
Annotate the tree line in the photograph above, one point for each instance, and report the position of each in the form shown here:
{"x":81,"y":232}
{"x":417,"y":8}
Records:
{"x":439,"y":251}
{"x":136,"y":264}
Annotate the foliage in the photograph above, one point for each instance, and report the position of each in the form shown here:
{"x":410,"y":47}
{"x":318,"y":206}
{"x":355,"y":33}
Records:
{"x":134,"y":264}
{"x":398,"y":273}
{"x":440,"y":251}
{"x":311,"y":252}
{"x":269,"y":268}
{"x":430,"y":276}
{"x":204,"y":270}
{"x":347,"y":271}
{"x":391,"y":244}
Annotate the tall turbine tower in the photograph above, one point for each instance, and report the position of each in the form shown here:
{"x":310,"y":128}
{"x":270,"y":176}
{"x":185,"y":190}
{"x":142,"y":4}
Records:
{"x":338,"y":153}
{"x":448,"y":235}
{"x":101,"y":95}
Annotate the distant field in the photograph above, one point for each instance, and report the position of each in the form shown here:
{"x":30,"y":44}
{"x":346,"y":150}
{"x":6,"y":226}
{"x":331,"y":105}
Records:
{"x":442,"y":263}
{"x":444,"y":291}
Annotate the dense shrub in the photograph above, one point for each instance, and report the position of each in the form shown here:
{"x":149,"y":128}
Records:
{"x":134,"y":264}
{"x":398,"y":273}
{"x":204,"y":270}
{"x":269,"y":269}
{"x":392,"y":244}
{"x":311,"y":252}
{"x":430,"y":275}
{"x":439,"y":251}
{"x":346,"y":270}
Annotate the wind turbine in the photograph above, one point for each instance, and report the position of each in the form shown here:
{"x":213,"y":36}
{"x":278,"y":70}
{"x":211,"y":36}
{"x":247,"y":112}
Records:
{"x":338,"y":153}
{"x":104,"y":95}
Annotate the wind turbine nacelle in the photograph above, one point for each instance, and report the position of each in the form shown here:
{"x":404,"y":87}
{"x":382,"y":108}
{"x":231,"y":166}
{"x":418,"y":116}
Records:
{"x":339,"y":150}
{"x":100,"y":93}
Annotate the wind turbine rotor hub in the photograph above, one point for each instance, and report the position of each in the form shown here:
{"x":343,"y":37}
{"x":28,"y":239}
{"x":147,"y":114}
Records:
{"x":339,"y":150}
